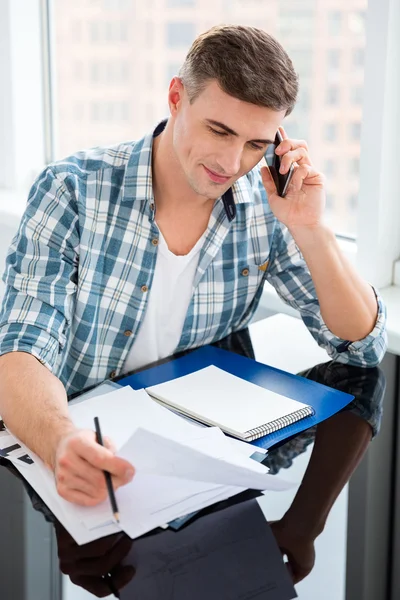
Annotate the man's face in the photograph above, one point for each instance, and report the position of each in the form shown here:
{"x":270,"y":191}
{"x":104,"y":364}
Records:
{"x":218,"y":138}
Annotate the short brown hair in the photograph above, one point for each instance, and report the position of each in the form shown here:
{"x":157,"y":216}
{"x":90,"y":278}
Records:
{"x":248,"y":63}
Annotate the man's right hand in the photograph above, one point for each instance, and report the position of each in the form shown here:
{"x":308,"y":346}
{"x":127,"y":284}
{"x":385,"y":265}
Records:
{"x":79,"y":463}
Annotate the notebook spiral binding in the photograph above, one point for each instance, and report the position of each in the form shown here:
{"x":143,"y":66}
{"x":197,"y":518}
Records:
{"x":257,"y":432}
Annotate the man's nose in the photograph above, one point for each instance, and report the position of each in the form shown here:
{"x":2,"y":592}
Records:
{"x":230,"y":161}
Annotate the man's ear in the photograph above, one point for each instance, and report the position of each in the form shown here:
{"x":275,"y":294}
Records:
{"x":175,"y":95}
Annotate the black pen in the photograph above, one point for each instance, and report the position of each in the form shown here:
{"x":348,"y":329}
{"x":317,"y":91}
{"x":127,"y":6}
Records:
{"x":107,"y":475}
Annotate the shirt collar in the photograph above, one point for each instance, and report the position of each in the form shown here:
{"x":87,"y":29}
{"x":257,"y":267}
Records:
{"x":138,"y":180}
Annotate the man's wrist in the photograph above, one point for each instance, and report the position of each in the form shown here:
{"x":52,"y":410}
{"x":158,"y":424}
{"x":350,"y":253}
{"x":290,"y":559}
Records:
{"x":316,"y":236}
{"x":64,"y":428}
{"x":300,"y":527}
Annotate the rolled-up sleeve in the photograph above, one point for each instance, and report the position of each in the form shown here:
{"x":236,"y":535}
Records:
{"x":41,"y":273}
{"x":289,"y":275}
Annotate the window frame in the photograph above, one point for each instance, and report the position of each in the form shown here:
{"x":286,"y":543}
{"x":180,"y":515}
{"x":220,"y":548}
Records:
{"x":377,"y":247}
{"x":22,"y":156}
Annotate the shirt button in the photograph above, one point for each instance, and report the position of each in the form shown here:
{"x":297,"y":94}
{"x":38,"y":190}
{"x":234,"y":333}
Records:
{"x":112,"y":374}
{"x":128,"y":333}
{"x":245,"y":272}
{"x":154,"y":242}
{"x":144,"y":288}
{"x":152,"y":206}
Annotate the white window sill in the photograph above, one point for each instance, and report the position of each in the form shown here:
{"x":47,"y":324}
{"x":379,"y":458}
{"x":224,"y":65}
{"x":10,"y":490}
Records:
{"x":391,"y":296}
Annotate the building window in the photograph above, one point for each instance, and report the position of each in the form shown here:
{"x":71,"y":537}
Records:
{"x":94,"y":32}
{"x":334,"y":22}
{"x":356,"y":94}
{"x":355,"y":131}
{"x":330,"y":132}
{"x":358,"y":57}
{"x":330,"y":201}
{"x":95,"y":111}
{"x":333,"y":59}
{"x":303,"y":61}
{"x":355,"y":166}
{"x":76,"y":30}
{"x":79,"y":111}
{"x":329,"y":167}
{"x":294,"y":130}
{"x":125,"y":111}
{"x":332,"y":95}
{"x":172,"y":71}
{"x":353,"y":201}
{"x":78,"y":70}
{"x":95,"y":72}
{"x":180,"y":34}
{"x":108,"y":31}
{"x":149,"y":29}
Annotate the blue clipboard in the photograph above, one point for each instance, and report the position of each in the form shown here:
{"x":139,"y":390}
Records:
{"x":326,"y":401}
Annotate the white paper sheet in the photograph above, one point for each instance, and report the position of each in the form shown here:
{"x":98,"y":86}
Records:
{"x":181,"y":467}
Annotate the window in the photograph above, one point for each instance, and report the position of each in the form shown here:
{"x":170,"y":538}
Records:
{"x":75,"y":30}
{"x":356,"y":94}
{"x":79,"y":111}
{"x":329,"y":167}
{"x":354,"y":166}
{"x":355,"y":131}
{"x":149,"y":33}
{"x":332,"y":95}
{"x":353,"y":201}
{"x":330,"y":132}
{"x":333,"y":59}
{"x":358,"y":57}
{"x":67,"y":118}
{"x":180,"y":34}
{"x":101,"y":32}
{"x":95,"y":111}
{"x":131,"y":56}
{"x":334,"y":23}
{"x":109,"y":112}
{"x":330,"y":201}
{"x":95,"y":72}
{"x":94,"y":31}
{"x":303,"y":61}
{"x":172,"y":71}
{"x":303,"y":20}
{"x":78,"y":69}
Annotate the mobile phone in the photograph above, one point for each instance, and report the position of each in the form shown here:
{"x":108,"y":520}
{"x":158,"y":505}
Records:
{"x":274,"y":163}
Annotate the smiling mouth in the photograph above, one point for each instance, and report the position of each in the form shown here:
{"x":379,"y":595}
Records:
{"x":215,"y":177}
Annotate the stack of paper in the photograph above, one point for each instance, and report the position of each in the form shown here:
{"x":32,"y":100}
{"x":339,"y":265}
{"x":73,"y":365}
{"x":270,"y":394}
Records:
{"x":180,"y":467}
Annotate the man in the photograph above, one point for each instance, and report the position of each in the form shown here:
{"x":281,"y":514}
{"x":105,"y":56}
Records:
{"x":127,"y":254}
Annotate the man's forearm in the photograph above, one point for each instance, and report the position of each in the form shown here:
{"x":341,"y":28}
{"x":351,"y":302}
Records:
{"x":348,"y":303}
{"x":33,"y":404}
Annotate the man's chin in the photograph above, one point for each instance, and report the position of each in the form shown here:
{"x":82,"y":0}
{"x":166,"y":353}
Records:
{"x":210,"y":189}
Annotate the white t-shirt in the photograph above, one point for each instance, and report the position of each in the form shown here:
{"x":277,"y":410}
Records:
{"x":167,"y":305}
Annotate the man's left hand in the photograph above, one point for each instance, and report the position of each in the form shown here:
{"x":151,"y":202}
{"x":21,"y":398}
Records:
{"x":303,"y":205}
{"x":299,"y":549}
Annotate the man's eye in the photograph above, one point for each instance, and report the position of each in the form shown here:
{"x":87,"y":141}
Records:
{"x":256,"y":147}
{"x":221,"y":133}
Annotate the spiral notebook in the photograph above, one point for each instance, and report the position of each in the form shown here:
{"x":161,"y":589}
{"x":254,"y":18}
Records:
{"x":240,"y":408}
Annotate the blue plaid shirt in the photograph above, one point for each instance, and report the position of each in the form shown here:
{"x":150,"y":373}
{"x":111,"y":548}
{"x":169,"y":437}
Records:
{"x":79,"y":270}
